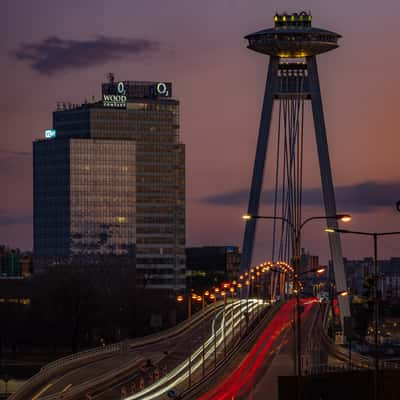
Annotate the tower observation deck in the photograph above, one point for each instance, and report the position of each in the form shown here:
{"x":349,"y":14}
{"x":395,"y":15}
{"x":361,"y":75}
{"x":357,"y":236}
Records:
{"x":293,"y":37}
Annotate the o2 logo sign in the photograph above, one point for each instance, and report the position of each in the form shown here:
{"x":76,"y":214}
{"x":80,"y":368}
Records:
{"x":116,"y":100}
{"x":163,"y":89}
{"x":121,"y":88}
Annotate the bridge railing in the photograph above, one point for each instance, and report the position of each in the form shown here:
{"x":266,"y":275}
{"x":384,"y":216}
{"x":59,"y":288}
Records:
{"x":248,"y":337}
{"x":64,"y":364}
{"x":133,"y":343}
{"x":346,"y":367}
{"x":330,"y":368}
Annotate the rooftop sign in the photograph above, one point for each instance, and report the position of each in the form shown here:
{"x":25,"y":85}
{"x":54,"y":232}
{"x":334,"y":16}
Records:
{"x":116,"y":100}
{"x":50,"y":133}
{"x":117,"y":94}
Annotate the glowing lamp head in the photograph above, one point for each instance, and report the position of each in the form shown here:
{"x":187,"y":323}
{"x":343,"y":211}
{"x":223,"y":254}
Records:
{"x":345,"y":218}
{"x":179,"y":299}
{"x":246,"y":216}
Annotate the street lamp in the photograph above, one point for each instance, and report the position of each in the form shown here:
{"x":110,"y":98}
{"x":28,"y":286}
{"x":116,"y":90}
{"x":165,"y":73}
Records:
{"x":202,"y":299}
{"x":223,"y":294}
{"x":240,"y":286}
{"x":180,"y":299}
{"x":213,"y":297}
{"x":374,"y":236}
{"x":296,"y":231}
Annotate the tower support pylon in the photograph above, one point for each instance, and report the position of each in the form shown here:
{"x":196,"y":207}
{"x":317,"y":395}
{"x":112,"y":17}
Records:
{"x":295,"y":42}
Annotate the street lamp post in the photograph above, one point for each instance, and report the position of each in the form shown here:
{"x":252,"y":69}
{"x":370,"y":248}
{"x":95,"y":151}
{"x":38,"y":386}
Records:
{"x":232,"y":315}
{"x":213,"y":297}
{"x":240,"y":286}
{"x":297,"y":246}
{"x":202,"y":299}
{"x":223,"y":294}
{"x":375,"y":236}
{"x":247,"y":315}
{"x":180,"y":299}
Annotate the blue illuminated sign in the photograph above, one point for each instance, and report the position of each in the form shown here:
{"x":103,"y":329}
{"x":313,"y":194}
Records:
{"x":50,"y":133}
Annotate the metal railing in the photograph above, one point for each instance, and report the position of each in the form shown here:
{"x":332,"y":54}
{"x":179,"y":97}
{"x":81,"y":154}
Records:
{"x":64,"y":364}
{"x":249,"y":337}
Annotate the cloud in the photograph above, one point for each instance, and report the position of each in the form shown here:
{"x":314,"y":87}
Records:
{"x":360,"y":197}
{"x":11,"y":153}
{"x":11,"y":161}
{"x":7,"y":219}
{"x":53,"y":55}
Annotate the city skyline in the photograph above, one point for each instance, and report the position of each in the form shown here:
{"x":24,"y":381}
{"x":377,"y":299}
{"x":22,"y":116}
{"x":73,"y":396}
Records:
{"x":51,"y":60}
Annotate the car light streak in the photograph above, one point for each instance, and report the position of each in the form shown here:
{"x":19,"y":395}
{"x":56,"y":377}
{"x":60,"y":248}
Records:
{"x":180,"y":373}
{"x":244,"y":375}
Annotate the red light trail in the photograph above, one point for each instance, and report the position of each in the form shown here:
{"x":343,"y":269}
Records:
{"x":244,"y":375}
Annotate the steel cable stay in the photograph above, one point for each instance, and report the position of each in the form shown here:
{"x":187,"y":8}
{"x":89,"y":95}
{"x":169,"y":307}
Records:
{"x":288,"y":179}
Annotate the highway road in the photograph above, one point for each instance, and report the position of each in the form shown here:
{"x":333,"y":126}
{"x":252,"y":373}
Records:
{"x":215,"y":343}
{"x":255,"y":377}
{"x":64,"y":382}
{"x":125,"y":373}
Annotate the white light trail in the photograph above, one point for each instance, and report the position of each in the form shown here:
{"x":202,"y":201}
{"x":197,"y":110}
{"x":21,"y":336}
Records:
{"x":180,"y":373}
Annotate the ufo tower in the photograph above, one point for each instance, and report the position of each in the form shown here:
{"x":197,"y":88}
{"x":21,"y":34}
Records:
{"x":292,"y":82}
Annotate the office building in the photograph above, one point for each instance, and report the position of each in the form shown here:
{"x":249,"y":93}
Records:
{"x":109,"y":184}
{"x":217,"y":261}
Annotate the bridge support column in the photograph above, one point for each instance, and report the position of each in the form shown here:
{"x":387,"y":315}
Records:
{"x":283,"y":82}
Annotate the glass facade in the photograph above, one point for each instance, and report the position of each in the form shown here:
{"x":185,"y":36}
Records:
{"x":126,"y":183}
{"x":51,"y":208}
{"x":102,"y":197}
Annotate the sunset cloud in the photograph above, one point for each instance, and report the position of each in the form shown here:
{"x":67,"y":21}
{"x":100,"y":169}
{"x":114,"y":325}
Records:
{"x":361,"y":197}
{"x":53,"y":55}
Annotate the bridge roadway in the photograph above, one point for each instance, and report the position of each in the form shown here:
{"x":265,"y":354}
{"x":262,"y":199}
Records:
{"x":253,"y":373}
{"x":104,"y":378}
{"x":235,"y":324}
{"x":81,"y":368}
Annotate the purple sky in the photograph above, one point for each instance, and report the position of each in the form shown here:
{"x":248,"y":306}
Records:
{"x":54,"y":50}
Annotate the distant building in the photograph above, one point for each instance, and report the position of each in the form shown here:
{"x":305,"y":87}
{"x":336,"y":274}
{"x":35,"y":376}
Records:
{"x":313,"y":282}
{"x":390,"y":286}
{"x":359,"y":275}
{"x":109,"y":185}
{"x":217,"y":262}
{"x":308,"y":262}
{"x":14,"y":263}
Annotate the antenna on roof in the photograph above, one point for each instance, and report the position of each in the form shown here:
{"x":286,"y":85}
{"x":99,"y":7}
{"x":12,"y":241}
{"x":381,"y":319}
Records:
{"x":111,"y":77}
